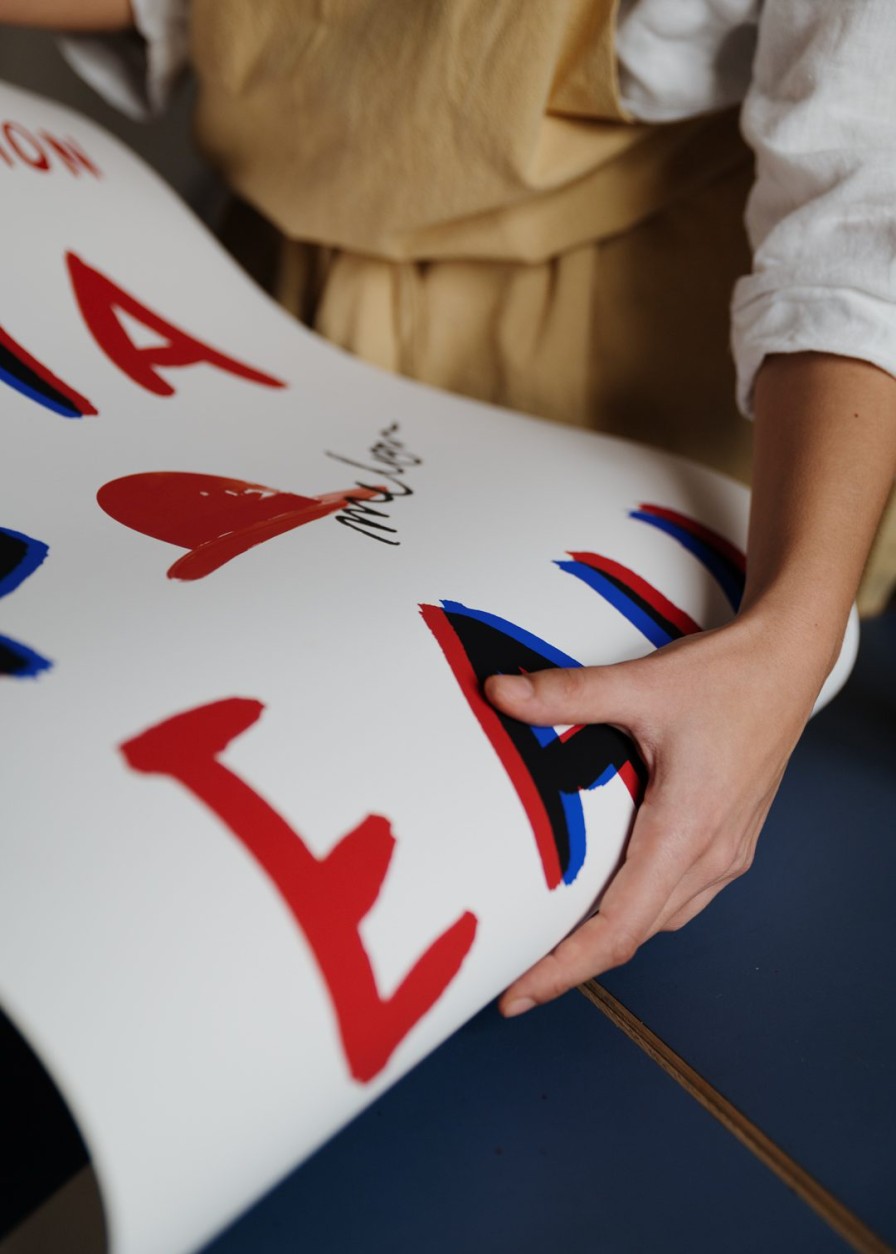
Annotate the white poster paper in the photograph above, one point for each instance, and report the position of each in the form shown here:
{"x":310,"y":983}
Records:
{"x":264,"y":844}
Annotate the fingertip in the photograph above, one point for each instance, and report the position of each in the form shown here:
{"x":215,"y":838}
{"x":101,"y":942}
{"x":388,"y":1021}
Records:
{"x":517,"y":1006}
{"x":541,"y":984}
{"x":510,"y":690}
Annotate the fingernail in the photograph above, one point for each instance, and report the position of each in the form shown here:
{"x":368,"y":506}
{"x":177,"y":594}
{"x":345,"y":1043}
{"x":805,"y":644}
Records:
{"x":519,"y":687}
{"x":518,"y":1007}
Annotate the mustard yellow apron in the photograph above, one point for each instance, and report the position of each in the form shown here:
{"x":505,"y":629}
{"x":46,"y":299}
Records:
{"x":458,"y":196}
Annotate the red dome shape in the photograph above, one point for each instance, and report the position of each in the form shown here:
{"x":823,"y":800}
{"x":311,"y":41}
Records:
{"x":217,"y":519}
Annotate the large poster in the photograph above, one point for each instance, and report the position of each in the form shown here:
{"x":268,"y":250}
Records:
{"x":264,"y":843}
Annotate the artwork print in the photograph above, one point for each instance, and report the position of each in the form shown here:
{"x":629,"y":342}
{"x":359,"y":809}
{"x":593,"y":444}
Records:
{"x":266,"y":843}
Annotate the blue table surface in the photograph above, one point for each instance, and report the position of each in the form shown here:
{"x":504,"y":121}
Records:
{"x":551,"y":1133}
{"x":555,"y":1132}
{"x":781,"y":994}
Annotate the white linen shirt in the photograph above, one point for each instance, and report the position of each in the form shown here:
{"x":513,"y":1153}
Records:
{"x":817,"y":87}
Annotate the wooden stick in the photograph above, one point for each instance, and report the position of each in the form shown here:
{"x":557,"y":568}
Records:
{"x":814,"y":1194}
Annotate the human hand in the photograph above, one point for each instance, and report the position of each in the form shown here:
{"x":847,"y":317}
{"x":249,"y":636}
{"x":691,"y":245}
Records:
{"x":715,"y":718}
{"x":68,"y":15}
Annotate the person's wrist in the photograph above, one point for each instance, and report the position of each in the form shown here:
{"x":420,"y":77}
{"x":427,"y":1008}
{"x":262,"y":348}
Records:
{"x":802,"y":637}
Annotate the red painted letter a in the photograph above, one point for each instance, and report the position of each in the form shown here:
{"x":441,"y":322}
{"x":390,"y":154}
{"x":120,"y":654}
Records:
{"x":99,"y":300}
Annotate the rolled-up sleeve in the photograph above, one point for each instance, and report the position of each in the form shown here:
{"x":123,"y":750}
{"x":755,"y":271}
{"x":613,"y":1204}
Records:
{"x":135,"y":71}
{"x":821,"y":117}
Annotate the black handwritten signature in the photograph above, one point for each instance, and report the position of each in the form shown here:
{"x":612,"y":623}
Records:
{"x":390,"y":461}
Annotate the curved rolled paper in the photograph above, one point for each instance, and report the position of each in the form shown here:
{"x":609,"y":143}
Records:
{"x":265,"y":844}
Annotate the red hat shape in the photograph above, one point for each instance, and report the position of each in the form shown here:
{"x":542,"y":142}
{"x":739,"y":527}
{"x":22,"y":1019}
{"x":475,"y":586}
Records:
{"x":217,"y":519}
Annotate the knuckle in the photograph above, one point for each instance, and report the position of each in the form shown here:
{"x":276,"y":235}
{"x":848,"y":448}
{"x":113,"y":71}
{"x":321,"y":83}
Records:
{"x":622,"y":948}
{"x":748,"y":858}
{"x":719,"y":864}
{"x":559,"y":985}
{"x":675,"y":924}
{"x":742,"y":865}
{"x":572,"y":955}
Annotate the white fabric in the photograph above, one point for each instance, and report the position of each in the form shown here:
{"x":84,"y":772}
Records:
{"x":819,"y":91}
{"x":135,"y":74}
{"x":678,"y":58}
{"x":821,"y":116}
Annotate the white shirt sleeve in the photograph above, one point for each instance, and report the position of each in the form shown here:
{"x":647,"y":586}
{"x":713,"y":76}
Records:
{"x":135,"y":73}
{"x":678,"y":58}
{"x":821,"y":117}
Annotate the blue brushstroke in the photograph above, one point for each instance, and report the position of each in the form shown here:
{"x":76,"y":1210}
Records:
{"x":725,"y":573}
{"x":31,"y":663}
{"x":544,"y":735}
{"x":64,"y":410}
{"x":602,"y":779}
{"x":555,"y":656}
{"x":35,"y":552}
{"x":620,"y":601}
{"x":575,"y":832}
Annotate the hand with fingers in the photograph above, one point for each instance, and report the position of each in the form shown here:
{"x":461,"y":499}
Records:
{"x":715,"y":718}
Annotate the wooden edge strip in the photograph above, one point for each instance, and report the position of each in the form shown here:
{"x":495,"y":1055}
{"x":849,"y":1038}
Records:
{"x":72,"y":1218}
{"x":826,"y":1206}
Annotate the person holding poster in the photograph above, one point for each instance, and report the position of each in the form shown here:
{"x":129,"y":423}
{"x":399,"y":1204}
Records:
{"x":539,"y":205}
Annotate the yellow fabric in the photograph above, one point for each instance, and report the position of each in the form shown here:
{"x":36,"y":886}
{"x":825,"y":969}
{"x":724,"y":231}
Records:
{"x":411,"y":128}
{"x":460,"y":198}
{"x":620,"y":335}
{"x":432,"y":129}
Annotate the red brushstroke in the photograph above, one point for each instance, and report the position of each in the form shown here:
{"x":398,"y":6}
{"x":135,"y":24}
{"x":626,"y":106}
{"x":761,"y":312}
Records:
{"x":72,"y":155}
{"x":217,"y":519}
{"x":14,"y":133}
{"x":99,"y":299}
{"x":328,"y":897}
{"x":629,"y":777}
{"x":728,"y":550}
{"x":523,"y":783}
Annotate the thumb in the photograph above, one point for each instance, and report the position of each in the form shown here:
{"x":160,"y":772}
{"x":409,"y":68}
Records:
{"x":580,"y":694}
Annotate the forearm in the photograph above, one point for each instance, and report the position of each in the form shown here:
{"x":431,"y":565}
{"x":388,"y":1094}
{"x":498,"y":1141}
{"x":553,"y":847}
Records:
{"x":715,"y":715}
{"x":81,"y":15}
{"x":824,"y":466}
